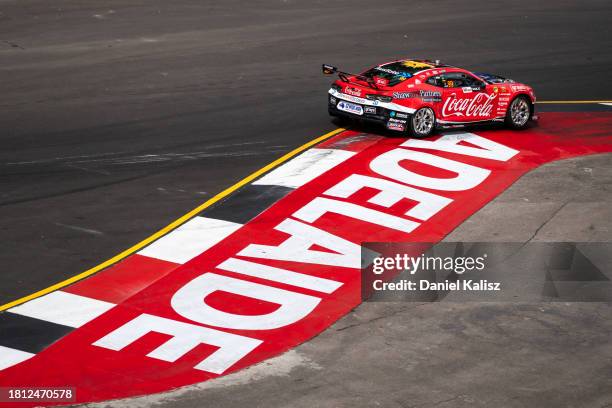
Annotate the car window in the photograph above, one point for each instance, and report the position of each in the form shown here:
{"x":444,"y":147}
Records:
{"x":454,"y":80}
{"x":435,"y":81}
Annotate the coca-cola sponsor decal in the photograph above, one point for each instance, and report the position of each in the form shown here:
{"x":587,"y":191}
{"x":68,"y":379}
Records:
{"x":352,"y":91}
{"x":480,"y":105}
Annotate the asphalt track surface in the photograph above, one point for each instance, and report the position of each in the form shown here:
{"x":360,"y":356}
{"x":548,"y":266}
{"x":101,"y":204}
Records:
{"x":119,"y":117}
{"x":123,"y":116}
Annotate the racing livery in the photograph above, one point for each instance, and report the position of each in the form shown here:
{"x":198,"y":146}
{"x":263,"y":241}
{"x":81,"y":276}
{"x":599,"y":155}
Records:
{"x":418,"y":96}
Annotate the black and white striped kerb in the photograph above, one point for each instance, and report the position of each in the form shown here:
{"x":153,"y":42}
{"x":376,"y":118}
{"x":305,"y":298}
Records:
{"x":27,"y":329}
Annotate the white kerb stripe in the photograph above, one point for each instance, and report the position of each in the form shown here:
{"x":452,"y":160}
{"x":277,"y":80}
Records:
{"x":9,"y":357}
{"x":190,"y":239}
{"x":63,"y":308}
{"x":305,"y":167}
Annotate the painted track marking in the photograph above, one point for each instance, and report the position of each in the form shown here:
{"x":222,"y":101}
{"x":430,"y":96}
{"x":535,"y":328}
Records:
{"x":173,"y":225}
{"x":285,"y":264}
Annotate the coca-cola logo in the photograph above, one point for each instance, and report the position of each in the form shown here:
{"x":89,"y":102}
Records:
{"x":479,"y":106}
{"x":352,"y":91}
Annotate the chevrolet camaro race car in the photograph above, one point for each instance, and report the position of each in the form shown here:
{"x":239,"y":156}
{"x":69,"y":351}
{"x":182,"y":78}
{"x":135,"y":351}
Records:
{"x":419,"y":96}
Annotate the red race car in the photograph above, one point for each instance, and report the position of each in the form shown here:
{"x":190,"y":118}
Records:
{"x":421,"y":95}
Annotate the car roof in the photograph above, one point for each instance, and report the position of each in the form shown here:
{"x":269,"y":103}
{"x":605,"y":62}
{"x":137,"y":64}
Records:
{"x":427,"y":64}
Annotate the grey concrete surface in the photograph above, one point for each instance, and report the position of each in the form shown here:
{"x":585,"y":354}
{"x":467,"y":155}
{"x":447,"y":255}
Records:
{"x":454,"y":354}
{"x":119,"y":116}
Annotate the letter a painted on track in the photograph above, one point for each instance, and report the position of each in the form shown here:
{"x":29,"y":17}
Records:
{"x":468,"y":176}
{"x":486,"y":149}
{"x":302,"y":237}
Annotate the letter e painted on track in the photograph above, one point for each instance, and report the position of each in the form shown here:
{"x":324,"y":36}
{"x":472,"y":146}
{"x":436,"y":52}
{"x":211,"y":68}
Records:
{"x":391,"y":193}
{"x":321,"y":205}
{"x":185,"y":337}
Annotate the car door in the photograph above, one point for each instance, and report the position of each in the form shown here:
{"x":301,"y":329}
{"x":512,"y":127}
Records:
{"x":465,"y":98}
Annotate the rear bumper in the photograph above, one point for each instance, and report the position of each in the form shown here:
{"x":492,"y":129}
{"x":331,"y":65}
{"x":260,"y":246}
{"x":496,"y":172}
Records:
{"x":381,"y":115}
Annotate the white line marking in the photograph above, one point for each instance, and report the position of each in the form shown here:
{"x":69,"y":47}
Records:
{"x":63,"y":308}
{"x":190,"y":239}
{"x":605,"y":103}
{"x":80,"y":229}
{"x":304,"y":168}
{"x":280,"y":275}
{"x":9,"y":357}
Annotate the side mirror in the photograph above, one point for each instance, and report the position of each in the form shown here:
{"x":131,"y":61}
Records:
{"x":329,"y":69}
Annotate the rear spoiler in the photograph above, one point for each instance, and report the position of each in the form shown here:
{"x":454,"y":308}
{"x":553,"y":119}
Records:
{"x":344,"y":76}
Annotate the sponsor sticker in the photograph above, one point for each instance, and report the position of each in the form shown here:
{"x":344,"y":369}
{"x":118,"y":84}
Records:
{"x":396,"y":124}
{"x":519,"y":88}
{"x":404,"y":95}
{"x":380,"y":81}
{"x":479,"y":106}
{"x":352,"y":91}
{"x":350,"y":107}
{"x":370,"y":109}
{"x":430,"y":96}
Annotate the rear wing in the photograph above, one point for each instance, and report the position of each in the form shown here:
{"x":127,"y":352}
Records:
{"x":344,"y":76}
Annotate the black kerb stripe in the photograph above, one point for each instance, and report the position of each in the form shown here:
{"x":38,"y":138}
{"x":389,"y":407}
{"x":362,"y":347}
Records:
{"x":246,"y":203}
{"x":29,"y":334}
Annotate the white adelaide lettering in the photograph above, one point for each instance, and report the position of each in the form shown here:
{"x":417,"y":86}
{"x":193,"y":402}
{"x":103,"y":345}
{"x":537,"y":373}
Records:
{"x":321,"y":205}
{"x":391,"y":192}
{"x":486,"y":148}
{"x":480,"y":105}
{"x":279,"y":275}
{"x":185,"y":337}
{"x":188,"y":302}
{"x":302,"y":237}
{"x":467,"y":176}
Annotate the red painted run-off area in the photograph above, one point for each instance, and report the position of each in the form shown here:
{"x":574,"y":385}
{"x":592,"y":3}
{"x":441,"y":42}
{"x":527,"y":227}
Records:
{"x":99,"y":373}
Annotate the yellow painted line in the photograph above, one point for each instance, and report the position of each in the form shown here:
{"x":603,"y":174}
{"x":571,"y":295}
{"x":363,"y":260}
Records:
{"x":572,"y":102}
{"x":172,"y":225}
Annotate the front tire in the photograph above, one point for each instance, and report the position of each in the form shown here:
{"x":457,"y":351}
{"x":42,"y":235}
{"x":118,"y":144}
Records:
{"x":423,"y":122}
{"x":519,"y":112}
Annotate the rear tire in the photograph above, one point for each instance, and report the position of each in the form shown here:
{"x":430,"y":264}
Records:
{"x":422,"y":123}
{"x":519,"y":112}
